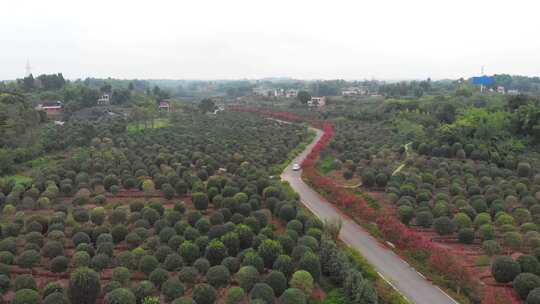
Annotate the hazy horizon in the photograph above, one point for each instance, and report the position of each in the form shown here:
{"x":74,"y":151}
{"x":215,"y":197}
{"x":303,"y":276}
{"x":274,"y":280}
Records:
{"x":211,"y":40}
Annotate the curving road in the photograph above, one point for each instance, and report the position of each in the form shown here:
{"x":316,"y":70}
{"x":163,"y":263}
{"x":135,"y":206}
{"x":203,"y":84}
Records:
{"x":412,"y":285}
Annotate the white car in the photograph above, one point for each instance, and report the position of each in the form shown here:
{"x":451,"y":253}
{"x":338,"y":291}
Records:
{"x":296,"y":167}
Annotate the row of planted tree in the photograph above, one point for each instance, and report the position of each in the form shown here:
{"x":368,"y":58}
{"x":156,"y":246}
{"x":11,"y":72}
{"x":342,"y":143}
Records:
{"x":443,"y":265}
{"x":209,"y":225}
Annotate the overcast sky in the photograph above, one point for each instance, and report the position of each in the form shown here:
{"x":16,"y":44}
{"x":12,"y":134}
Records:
{"x":230,"y":39}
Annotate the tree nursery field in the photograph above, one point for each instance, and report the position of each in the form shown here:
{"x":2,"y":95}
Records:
{"x":451,"y":181}
{"x":186,"y":213}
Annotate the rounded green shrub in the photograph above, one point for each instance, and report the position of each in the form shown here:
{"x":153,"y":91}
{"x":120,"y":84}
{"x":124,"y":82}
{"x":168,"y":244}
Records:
{"x":121,"y":274}
{"x":144,"y":289}
{"x":148,"y":263}
{"x":216,"y":252}
{"x":491,"y":247}
{"x":443,"y":225}
{"x":524,"y":283}
{"x":247,"y":277}
{"x":26,"y":296}
{"x":120,"y":296}
{"x":189,"y":251}
{"x":55,"y":298}
{"x":424,"y":219}
{"x":202,"y":265}
{"x":200,"y":200}
{"x":277,"y":281}
{"x":466,"y":235}
{"x":172,"y":289}
{"x":284,"y":264}
{"x":504,"y":269}
{"x":158,"y":276}
{"x":204,"y":294}
{"x":218,"y":276}
{"x":310,"y":262}
{"x":235,"y":295}
{"x":302,"y":280}
{"x":25,"y":281}
{"x":529,"y":263}
{"x":262,"y":291}
{"x":269,"y":250}
{"x":534,"y":296}
{"x":84,"y":286}
{"x":293,"y":296}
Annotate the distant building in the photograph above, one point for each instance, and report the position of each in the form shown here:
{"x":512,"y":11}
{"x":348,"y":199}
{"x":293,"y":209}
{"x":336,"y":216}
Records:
{"x":513,"y":92}
{"x":354,"y":91}
{"x":261,"y":91}
{"x":51,"y":107}
{"x":105,"y":99}
{"x":268,"y":92}
{"x":291,"y":93}
{"x":279,"y":93}
{"x":164,"y":105}
{"x":218,"y":109}
{"x":317,"y":102}
{"x":500,"y":90}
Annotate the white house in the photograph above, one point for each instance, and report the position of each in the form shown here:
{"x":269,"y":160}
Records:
{"x":317,"y":101}
{"x":500,"y":90}
{"x":354,"y":91}
{"x":260,"y":91}
{"x":105,"y":99}
{"x":291,"y":93}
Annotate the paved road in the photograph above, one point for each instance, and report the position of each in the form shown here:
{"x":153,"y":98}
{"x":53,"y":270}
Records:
{"x":391,"y":267}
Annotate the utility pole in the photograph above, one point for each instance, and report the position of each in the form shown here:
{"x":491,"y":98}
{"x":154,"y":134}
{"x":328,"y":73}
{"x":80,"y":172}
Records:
{"x":28,"y":68}
{"x":482,"y":85}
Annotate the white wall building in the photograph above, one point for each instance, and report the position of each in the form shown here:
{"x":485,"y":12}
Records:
{"x":105,"y":99}
{"x":317,"y":101}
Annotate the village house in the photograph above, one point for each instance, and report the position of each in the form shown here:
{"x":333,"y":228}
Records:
{"x":268,"y":92}
{"x":291,"y":93}
{"x":317,"y":102}
{"x":105,"y":99}
{"x":354,"y":91}
{"x":164,"y":105}
{"x":261,"y":91}
{"x":51,"y":107}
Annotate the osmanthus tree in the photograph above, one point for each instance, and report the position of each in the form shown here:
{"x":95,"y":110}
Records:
{"x":207,"y":105}
{"x":232,"y":236}
{"x":84,"y":286}
{"x":120,"y":296}
{"x":303,"y":97}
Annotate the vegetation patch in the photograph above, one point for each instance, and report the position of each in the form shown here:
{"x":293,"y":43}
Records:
{"x":326,"y":164}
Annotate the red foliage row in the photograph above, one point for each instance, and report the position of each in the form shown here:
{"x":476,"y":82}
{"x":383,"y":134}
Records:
{"x":439,"y":259}
{"x":277,"y":115}
{"x":327,"y":186}
{"x":494,"y":295}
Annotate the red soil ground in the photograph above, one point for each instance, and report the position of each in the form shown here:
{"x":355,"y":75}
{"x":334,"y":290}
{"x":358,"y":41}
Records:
{"x":43,"y":276}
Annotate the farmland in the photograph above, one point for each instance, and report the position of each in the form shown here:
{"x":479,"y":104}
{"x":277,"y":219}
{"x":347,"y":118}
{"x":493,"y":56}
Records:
{"x":183,"y":213}
{"x":466,"y":191}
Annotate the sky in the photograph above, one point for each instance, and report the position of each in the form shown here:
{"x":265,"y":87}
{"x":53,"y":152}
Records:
{"x":237,"y":39}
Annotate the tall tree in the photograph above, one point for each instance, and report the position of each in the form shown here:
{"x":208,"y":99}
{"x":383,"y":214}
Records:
{"x":207,"y":105}
{"x":28,"y":82}
{"x":303,"y":97}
